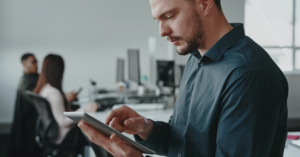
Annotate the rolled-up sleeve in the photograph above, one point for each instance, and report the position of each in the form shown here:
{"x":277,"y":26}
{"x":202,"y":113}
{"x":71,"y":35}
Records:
{"x":253,"y":110}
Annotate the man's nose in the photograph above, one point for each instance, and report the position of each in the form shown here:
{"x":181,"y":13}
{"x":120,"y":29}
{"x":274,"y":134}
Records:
{"x":164,"y":29}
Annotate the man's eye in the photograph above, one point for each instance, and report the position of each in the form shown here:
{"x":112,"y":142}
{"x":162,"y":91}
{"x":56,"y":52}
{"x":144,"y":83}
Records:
{"x":169,"y":17}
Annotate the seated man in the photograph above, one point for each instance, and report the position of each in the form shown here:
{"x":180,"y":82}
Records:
{"x":22,"y":132}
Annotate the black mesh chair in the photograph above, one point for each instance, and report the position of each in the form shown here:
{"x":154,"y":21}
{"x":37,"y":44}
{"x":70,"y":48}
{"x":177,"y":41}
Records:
{"x":46,"y":130}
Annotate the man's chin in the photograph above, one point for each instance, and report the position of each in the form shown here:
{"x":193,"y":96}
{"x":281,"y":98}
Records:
{"x":182,"y":51}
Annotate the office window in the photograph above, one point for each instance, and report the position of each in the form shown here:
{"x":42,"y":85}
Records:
{"x":272,"y":24}
{"x":297,"y":28}
{"x":298,"y":59}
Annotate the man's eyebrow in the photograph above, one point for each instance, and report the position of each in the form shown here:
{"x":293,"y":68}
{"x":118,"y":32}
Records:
{"x":166,"y":12}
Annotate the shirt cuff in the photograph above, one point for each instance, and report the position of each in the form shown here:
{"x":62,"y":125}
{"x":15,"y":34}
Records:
{"x":151,"y":138}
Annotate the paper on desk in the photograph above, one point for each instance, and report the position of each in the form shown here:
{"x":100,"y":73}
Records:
{"x":296,"y":142}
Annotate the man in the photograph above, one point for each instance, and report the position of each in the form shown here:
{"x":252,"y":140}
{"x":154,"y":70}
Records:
{"x":232,"y":98}
{"x":22,"y":141}
{"x":30,"y":76}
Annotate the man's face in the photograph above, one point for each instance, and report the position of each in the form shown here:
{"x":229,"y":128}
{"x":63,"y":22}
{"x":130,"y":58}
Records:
{"x":179,"y":21}
{"x":30,"y":65}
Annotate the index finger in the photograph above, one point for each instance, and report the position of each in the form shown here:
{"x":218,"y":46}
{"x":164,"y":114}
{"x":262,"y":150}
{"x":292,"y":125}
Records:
{"x":118,"y":112}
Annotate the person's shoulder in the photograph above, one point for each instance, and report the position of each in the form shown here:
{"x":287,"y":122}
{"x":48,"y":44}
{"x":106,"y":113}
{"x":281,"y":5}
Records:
{"x":246,"y":56}
{"x":49,"y":91}
{"x":252,"y":53}
{"x":21,"y":84}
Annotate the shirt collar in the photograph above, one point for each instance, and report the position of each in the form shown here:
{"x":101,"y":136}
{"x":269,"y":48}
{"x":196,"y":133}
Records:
{"x":196,"y":54}
{"x":216,"y":51}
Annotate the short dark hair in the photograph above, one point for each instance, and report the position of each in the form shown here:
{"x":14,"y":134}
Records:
{"x":217,"y":2}
{"x":25,"y":56}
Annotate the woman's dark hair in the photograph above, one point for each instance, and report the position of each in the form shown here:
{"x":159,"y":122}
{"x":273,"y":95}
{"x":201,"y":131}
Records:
{"x":52,"y":73}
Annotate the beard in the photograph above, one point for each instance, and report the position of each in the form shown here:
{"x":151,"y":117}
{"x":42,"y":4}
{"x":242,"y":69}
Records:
{"x":193,"y":42}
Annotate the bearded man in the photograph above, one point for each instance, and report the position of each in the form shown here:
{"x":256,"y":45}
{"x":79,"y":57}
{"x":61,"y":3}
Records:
{"x":232,"y":100}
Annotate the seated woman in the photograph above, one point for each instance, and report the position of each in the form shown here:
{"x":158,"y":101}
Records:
{"x":49,"y":86}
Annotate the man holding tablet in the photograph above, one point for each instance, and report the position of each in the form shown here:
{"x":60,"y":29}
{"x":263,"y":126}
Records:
{"x":232,"y":100}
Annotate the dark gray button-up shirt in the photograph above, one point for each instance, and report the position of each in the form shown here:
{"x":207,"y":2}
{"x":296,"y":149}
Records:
{"x":232,"y":102}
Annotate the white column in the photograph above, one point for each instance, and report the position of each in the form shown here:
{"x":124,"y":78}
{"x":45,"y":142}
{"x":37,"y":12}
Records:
{"x":152,"y":60}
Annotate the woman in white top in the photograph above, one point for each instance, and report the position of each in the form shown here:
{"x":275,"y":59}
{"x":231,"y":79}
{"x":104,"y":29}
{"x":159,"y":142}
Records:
{"x":49,"y":86}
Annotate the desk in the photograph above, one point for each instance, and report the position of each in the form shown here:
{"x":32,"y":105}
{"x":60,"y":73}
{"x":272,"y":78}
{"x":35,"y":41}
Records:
{"x":164,"y":115}
{"x":291,"y":150}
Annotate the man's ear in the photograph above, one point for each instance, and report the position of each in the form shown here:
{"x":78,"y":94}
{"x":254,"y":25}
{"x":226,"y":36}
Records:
{"x":206,"y":6}
{"x":24,"y":63}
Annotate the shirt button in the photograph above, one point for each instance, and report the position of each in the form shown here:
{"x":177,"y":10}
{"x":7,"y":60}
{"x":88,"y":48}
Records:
{"x":201,"y":64}
{"x":179,"y":155}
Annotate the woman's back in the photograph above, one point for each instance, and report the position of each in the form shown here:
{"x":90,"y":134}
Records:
{"x":56,"y":101}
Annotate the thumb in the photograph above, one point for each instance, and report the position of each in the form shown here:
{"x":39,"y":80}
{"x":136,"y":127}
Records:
{"x":115,"y":139}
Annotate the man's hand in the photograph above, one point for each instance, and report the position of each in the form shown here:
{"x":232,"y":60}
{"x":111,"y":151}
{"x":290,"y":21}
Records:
{"x":71,"y":96}
{"x":124,"y":119}
{"x":114,"y":145}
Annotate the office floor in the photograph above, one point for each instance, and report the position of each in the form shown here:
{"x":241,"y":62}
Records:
{"x":4,"y":140}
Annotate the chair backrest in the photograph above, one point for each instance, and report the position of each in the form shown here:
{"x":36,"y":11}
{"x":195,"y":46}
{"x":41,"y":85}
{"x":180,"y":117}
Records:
{"x":46,"y":127}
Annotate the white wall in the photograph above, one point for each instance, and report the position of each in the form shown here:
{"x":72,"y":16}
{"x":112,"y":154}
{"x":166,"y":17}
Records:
{"x":90,"y":35}
{"x":234,"y":10}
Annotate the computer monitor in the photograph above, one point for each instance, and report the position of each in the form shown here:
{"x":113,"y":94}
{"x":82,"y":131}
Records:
{"x":134,"y":65}
{"x":165,"y":73}
{"x":120,"y":70}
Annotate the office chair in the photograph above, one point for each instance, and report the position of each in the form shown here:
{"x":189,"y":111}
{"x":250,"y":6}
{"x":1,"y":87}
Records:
{"x":46,"y":130}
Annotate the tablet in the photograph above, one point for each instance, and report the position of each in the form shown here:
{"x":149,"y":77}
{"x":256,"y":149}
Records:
{"x":105,"y":129}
